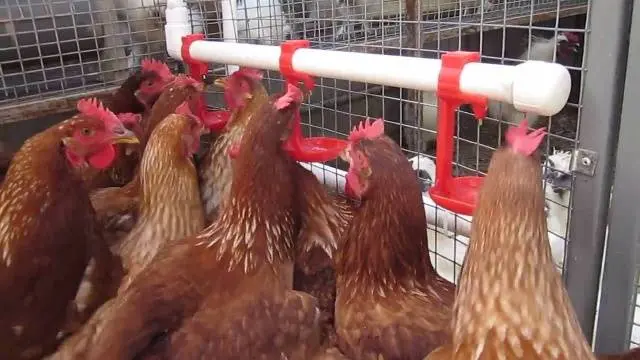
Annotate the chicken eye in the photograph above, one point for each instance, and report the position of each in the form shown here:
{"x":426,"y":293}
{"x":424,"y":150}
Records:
{"x":86,"y":132}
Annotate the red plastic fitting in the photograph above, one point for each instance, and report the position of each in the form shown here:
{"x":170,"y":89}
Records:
{"x":197,"y":69}
{"x":449,"y":81}
{"x":315,"y":149}
{"x":287,"y":49}
{"x":213,"y":120}
{"x":455,"y":194}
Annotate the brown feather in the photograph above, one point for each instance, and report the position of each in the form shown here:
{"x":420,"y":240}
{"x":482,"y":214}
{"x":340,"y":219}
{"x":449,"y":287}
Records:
{"x":390,"y":300}
{"x":511,"y":301}
{"x":248,"y":245}
{"x":122,"y":100}
{"x":324,"y":217}
{"x":47,"y":236}
{"x":117,"y":207}
{"x":215,"y":170}
{"x":170,"y":210}
{"x":114,"y":204}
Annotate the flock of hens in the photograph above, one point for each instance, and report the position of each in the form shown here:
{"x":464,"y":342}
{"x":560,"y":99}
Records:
{"x":243,"y":254}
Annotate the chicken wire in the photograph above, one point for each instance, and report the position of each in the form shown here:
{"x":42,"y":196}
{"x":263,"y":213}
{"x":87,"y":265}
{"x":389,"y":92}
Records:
{"x":57,"y":49}
{"x":53,"y":48}
{"x":503,"y":31}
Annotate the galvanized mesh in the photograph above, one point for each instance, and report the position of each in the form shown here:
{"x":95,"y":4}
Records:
{"x":505,"y":32}
{"x":53,"y":49}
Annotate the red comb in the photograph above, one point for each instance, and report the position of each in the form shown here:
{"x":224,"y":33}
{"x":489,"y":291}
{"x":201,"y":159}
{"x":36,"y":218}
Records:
{"x":293,"y":95}
{"x":93,"y":108}
{"x":251,"y":73}
{"x":129,"y":118}
{"x":571,"y":36}
{"x":524,"y":143}
{"x":156,"y":66}
{"x":367,"y":130}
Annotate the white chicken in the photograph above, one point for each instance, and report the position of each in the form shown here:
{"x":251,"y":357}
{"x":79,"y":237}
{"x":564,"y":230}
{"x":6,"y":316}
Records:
{"x":558,"y":181}
{"x":565,"y":44}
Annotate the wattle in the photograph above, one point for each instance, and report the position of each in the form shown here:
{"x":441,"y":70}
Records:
{"x":103,"y":158}
{"x":348,"y":188}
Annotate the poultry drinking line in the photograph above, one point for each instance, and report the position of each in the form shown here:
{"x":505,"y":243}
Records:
{"x":249,"y":253}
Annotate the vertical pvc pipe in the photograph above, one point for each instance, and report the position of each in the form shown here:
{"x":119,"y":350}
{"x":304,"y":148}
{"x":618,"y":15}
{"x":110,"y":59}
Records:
{"x":229,"y":30}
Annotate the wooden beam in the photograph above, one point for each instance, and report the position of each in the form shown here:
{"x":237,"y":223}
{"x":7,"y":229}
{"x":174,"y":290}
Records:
{"x":37,"y":108}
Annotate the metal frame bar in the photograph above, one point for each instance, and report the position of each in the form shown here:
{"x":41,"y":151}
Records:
{"x":618,"y":280}
{"x":605,"y":63}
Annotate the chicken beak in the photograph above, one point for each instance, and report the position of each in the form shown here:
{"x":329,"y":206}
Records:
{"x":125,"y":136}
{"x":220,"y":82}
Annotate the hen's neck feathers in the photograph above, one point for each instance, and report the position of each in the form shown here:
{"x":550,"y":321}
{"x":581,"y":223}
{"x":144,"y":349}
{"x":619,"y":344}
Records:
{"x":326,"y":216}
{"x":166,"y":105}
{"x":385,"y":247}
{"x":259,"y":217}
{"x":39,"y":175}
{"x":217,"y":171}
{"x":511,"y":300}
{"x":170,"y":206}
{"x":165,"y":164}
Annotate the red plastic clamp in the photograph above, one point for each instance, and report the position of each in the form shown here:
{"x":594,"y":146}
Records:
{"x":457,"y":194}
{"x":213,"y":120}
{"x":449,"y":81}
{"x":197,"y":69}
{"x":287,"y":49}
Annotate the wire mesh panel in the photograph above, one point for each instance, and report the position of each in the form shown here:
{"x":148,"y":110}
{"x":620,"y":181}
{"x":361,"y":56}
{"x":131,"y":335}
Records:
{"x":60,"y":48}
{"x":503,"y":31}
{"x":50,"y":49}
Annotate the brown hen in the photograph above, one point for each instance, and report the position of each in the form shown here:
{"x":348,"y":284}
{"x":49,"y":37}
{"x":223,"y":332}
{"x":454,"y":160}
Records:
{"x":245,"y":95}
{"x":221,"y":294}
{"x":48,"y":232}
{"x":391,"y":303}
{"x":511,"y":302}
{"x":136,"y":94}
{"x":116,"y":207}
{"x":170,"y":210}
{"x":324,"y":218}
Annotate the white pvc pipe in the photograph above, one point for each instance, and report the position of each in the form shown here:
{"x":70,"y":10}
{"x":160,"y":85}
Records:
{"x":177,"y":26}
{"x":335,"y":178}
{"x":533,"y":86}
{"x":229,"y":30}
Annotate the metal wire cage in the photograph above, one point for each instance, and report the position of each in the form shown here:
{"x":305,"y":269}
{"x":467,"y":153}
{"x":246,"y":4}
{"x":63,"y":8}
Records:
{"x":54,"y":51}
{"x":505,"y":32}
